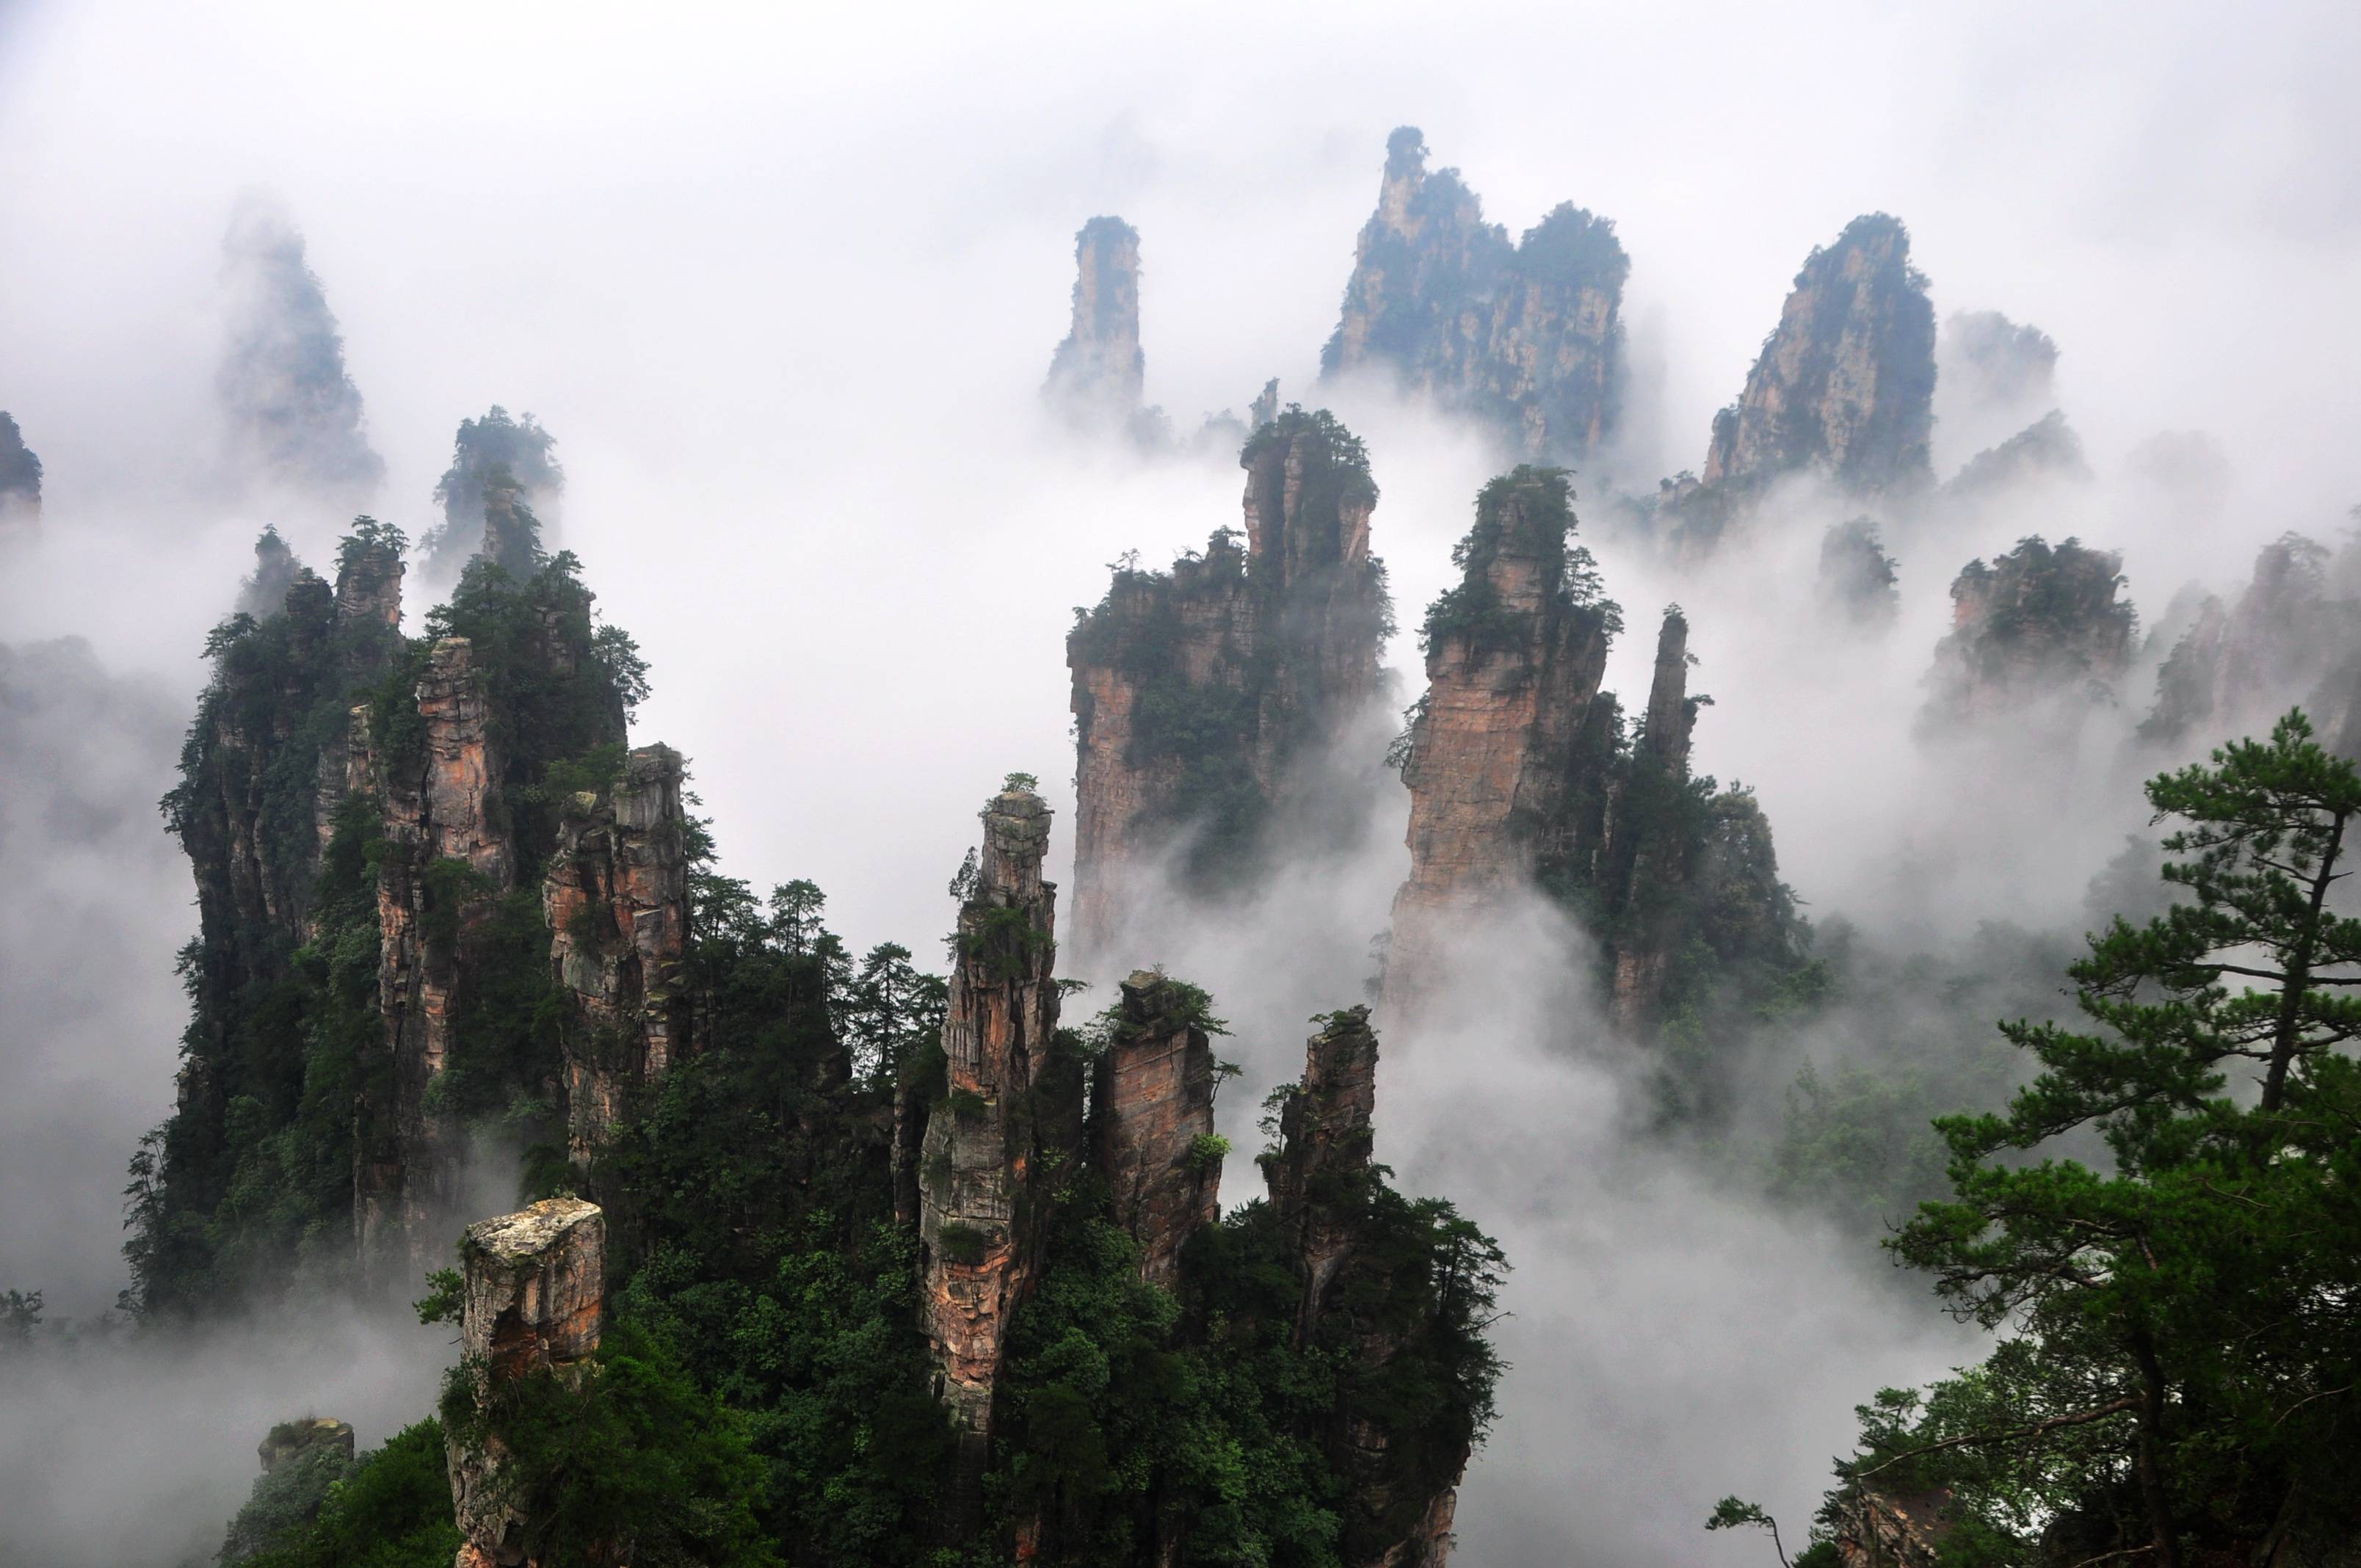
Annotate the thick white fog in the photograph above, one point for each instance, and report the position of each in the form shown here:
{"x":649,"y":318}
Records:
{"x":783,"y":285}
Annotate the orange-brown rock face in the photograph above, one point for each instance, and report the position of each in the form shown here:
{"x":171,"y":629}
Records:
{"x":448,"y":856}
{"x":1847,"y":381}
{"x":1098,"y":375}
{"x":616,"y":896}
{"x":1877,"y":1530}
{"x":1152,"y":1108}
{"x":1526,"y":337}
{"x":2034,"y":623}
{"x":1010,"y":1115}
{"x":1514,"y":659}
{"x":535,"y":1301}
{"x":1197,"y":691}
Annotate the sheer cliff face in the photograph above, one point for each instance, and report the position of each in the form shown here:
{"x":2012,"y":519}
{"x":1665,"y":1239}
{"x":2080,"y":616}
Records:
{"x":448,"y":856}
{"x":20,"y":478}
{"x":1098,"y":376}
{"x":616,"y":896}
{"x":1196,"y":691}
{"x":2034,"y":622}
{"x":1322,"y":1167}
{"x":496,"y":463}
{"x":534,"y":1300}
{"x":1012,"y":1112}
{"x":1527,"y":338}
{"x":1846,"y":384}
{"x":1513,"y":661}
{"x":293,"y":415}
{"x":1152,"y":1119}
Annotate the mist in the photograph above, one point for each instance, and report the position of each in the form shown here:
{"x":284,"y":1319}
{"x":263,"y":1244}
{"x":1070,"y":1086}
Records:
{"x":784,"y":289}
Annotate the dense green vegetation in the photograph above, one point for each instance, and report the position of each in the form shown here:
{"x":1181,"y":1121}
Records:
{"x":247,"y":1186}
{"x":2163,"y":1218}
{"x":390,"y":1509}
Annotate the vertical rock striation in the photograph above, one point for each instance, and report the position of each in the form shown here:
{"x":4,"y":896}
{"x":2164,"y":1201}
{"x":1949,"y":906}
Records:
{"x":616,"y":896}
{"x":1524,"y":781}
{"x":1527,"y":338}
{"x":448,"y":855}
{"x":1847,"y":381}
{"x":1505,"y":737}
{"x":1198,"y":692}
{"x":1152,"y":1120}
{"x":20,"y":478}
{"x":534,"y":1300}
{"x":1098,"y":376}
{"x":2035,"y":622}
{"x":1012,"y":1110}
{"x":1321,"y":1169}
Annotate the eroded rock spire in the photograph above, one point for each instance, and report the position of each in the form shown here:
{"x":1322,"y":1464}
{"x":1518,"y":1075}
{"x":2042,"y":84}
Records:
{"x":1098,"y":376}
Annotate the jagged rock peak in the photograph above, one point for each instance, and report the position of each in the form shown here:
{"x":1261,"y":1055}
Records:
{"x":1010,"y":1115}
{"x":1846,"y":382}
{"x":1152,"y":1119}
{"x":616,"y":897}
{"x":533,"y":1299}
{"x":2036,"y":621}
{"x":1098,"y":376}
{"x":1526,"y":338}
{"x":1671,"y":715}
{"x":495,"y":461}
{"x":368,"y":575}
{"x":1265,"y":407}
{"x":20,"y":476}
{"x":1198,"y":691}
{"x":1857,"y":577}
{"x":293,"y":414}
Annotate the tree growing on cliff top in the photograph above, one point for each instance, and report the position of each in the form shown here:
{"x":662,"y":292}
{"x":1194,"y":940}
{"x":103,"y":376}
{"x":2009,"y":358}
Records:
{"x":2180,"y":1381}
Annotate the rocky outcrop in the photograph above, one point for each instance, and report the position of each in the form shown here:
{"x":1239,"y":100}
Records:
{"x":294,"y":416}
{"x":1321,"y":1170}
{"x":1196,"y":692}
{"x":616,"y":896}
{"x":1098,"y":376}
{"x":1011,"y":1112}
{"x":1152,"y":1121}
{"x":1847,"y":381}
{"x":1526,"y":338}
{"x":1401,"y":1493}
{"x":290,"y":1441}
{"x":1523,"y":782}
{"x":1857,"y":577}
{"x":448,"y":856}
{"x":302,"y":1460}
{"x":264,"y":592}
{"x":20,"y":478}
{"x":2032,"y":623}
{"x":368,"y":628}
{"x":534,"y":1300}
{"x":496,"y":461}
{"x":1878,"y":1529}
{"x":1503,"y":743}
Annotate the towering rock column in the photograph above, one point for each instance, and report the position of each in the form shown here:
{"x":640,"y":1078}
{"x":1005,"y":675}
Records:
{"x":369,"y":624}
{"x":1652,"y":869}
{"x":616,"y":896}
{"x":1398,"y":1506}
{"x":1012,"y":1098}
{"x":1321,"y":1175}
{"x":448,"y":857}
{"x":1196,"y":691}
{"x":1099,"y":374}
{"x":535,"y":1301}
{"x":1152,"y":1114}
{"x":1846,"y":382}
{"x":1514,"y":658}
